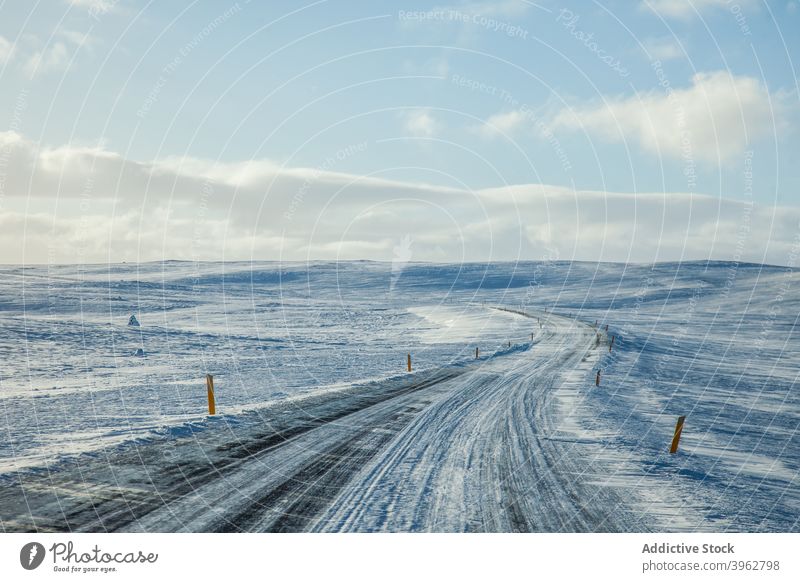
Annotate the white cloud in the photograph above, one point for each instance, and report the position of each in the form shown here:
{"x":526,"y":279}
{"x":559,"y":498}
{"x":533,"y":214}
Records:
{"x":111,"y":208}
{"x":76,"y":38}
{"x":57,"y":55}
{"x":98,"y":6}
{"x":689,"y":8}
{"x":664,"y":49}
{"x":421,"y":123}
{"x":717,"y":117}
{"x":439,"y":66}
{"x":507,"y":123}
{"x":53,"y":58}
{"x":6,"y":50}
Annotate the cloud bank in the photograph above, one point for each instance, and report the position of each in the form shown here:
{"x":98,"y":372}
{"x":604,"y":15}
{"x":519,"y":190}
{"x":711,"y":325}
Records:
{"x":87,"y":204}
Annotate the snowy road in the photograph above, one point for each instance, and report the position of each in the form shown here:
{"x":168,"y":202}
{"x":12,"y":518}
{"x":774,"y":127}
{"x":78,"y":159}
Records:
{"x":481,"y":457}
{"x":471,"y":448}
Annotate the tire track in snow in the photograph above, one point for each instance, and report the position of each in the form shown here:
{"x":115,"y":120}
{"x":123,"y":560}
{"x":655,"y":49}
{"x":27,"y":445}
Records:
{"x":481,"y":458}
{"x":459,"y":450}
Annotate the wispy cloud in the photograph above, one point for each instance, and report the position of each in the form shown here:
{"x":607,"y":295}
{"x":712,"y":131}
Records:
{"x":53,"y":58}
{"x":421,"y":123}
{"x":664,"y":49}
{"x":717,"y":117}
{"x":100,"y":6}
{"x":533,"y":121}
{"x":56,"y":56}
{"x":6,"y":50}
{"x":689,"y":8}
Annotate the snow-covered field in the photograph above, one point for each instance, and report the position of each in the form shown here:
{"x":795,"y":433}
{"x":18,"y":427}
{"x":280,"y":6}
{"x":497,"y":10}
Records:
{"x":320,"y":427}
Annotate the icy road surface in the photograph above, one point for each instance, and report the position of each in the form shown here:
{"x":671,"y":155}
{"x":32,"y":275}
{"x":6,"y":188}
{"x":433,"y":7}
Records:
{"x":473,"y":448}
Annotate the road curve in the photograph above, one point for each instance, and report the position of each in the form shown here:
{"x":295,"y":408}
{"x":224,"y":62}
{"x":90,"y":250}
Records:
{"x":455,"y":450}
{"x":481,"y":458}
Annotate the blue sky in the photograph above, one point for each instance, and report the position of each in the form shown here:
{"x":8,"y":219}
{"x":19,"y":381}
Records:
{"x":670,"y":102}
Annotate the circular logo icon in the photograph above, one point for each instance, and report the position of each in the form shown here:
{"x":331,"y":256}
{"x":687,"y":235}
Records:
{"x":31,"y":555}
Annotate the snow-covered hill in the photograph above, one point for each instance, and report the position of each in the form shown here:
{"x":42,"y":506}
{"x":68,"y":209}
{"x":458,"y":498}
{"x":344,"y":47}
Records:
{"x":717,"y":342}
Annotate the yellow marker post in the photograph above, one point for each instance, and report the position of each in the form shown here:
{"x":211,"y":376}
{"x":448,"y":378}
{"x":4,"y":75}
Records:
{"x":677,"y":437}
{"x":212,"y":408}
{"x":409,"y":362}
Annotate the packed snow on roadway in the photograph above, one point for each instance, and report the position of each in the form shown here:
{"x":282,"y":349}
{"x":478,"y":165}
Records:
{"x":99,"y":362}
